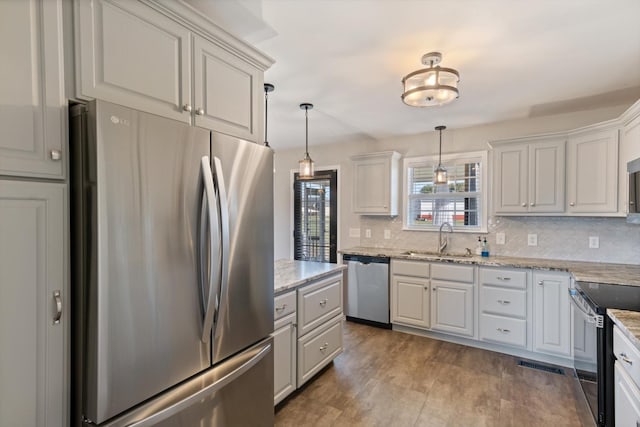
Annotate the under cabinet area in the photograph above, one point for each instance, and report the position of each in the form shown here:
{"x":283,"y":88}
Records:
{"x":504,"y":306}
{"x":203,"y":77}
{"x":308,"y":323}
{"x":375,"y":183}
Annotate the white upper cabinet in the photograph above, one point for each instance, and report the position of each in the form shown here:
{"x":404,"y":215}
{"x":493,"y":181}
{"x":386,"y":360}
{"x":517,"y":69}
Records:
{"x":32,"y":101}
{"x":592,"y":172}
{"x":529,"y":177}
{"x":129,"y":54}
{"x":158,"y":61}
{"x":375,"y":183}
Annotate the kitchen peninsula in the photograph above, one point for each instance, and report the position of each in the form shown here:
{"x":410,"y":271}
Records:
{"x":308,"y":320}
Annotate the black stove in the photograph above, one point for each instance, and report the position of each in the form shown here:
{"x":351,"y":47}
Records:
{"x":593,"y":362}
{"x":602,"y":296}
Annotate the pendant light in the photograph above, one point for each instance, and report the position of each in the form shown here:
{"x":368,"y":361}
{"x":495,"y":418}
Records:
{"x":306,"y":164}
{"x":430,"y":86}
{"x":268,"y":87}
{"x":440,"y":174}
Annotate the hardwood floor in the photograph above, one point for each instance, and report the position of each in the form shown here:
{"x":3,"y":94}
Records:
{"x":387,"y":378}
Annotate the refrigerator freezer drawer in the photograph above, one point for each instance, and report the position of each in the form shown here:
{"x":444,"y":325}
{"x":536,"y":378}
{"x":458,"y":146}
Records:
{"x":319,"y":303}
{"x":317,"y":349}
{"x":218,"y":397}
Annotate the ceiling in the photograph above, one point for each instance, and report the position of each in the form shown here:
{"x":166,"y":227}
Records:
{"x":516,"y":59}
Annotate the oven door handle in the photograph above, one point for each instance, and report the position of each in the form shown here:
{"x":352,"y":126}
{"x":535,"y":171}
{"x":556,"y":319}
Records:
{"x":591,"y":317}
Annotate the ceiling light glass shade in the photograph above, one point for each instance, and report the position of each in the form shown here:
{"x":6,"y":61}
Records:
{"x":306,"y":167}
{"x":440,"y":175}
{"x":430,"y":86}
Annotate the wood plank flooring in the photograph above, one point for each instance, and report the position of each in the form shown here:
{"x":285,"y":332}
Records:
{"x":387,"y":378}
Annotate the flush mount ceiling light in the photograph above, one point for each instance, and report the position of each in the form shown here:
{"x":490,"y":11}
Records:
{"x":306,"y":164}
{"x":268,"y":87}
{"x":440,"y":174}
{"x":430,"y":86}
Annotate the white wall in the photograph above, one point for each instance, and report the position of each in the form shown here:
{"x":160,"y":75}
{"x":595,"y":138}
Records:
{"x":559,"y":238}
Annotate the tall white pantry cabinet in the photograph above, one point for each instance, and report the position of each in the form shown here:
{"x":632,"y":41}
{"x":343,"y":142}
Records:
{"x":159,"y":56}
{"x":34,"y":286}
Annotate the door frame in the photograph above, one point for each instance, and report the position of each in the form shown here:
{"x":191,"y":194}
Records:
{"x":292,"y":173}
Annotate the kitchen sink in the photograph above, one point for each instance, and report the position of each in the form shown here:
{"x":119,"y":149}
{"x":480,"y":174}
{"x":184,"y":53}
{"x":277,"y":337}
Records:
{"x":434,"y":253}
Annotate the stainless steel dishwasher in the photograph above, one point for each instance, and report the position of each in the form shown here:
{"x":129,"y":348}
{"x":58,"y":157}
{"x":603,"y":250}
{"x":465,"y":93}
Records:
{"x":368,"y":289}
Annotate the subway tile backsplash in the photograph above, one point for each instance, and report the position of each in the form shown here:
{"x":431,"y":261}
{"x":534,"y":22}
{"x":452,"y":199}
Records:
{"x":558,"y":238}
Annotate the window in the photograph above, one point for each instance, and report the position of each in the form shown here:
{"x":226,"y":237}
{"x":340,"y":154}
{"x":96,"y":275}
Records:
{"x":461,"y":202}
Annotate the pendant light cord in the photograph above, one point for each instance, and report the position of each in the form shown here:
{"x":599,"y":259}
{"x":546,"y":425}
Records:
{"x":266,"y":115}
{"x":306,"y":125}
{"x":440,"y":151}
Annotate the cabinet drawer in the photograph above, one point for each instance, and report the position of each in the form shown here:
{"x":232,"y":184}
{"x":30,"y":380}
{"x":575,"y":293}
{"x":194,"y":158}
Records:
{"x":410,"y":268}
{"x":318,"y":303}
{"x":284,"y":304}
{"x":454,"y":273}
{"x":509,"y":302}
{"x":627,"y":354}
{"x":504,"y":330}
{"x":318,"y":349}
{"x":503,"y":277}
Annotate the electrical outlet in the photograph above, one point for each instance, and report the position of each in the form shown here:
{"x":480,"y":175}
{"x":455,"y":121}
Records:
{"x":367,"y":233}
{"x":387,"y":234}
{"x":500,"y":239}
{"x":532,"y":240}
{"x":354,"y":232}
{"x":594,"y":242}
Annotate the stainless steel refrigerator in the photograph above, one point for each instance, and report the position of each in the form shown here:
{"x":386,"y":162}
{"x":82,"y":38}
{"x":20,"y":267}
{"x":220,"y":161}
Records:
{"x":172,"y":273}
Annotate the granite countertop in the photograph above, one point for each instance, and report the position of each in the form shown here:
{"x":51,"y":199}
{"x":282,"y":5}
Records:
{"x":629,"y":323}
{"x":617,"y":274}
{"x":290,"y":274}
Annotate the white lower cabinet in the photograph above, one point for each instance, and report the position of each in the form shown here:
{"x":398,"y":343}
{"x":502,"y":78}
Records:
{"x":452,"y":307}
{"x":34,"y":304}
{"x":410,"y":300}
{"x":284,"y":346}
{"x":503,"y":306}
{"x":626,"y":379}
{"x":552,"y":313}
{"x":307,"y":332}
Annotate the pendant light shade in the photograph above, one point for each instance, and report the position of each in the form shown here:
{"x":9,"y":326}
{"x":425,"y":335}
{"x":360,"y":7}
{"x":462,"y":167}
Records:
{"x":268,"y":87}
{"x":306,"y":165}
{"x":430,"y":86}
{"x":440,"y":173}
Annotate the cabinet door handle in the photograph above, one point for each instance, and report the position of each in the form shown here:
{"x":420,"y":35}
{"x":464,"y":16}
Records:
{"x":55,"y":155}
{"x":324,"y":346}
{"x":504,"y":331}
{"x":426,"y":288}
{"x":541,"y":282}
{"x":532,"y":204}
{"x":58,"y":301}
{"x":505,"y":279}
{"x":200,"y":111}
{"x":504,"y":301}
{"x":282,"y":307}
{"x":626,"y":359}
{"x":434,"y":289}
{"x":187,"y":108}
{"x":572,"y":204}
{"x":323,"y":302}
{"x":524,"y":205}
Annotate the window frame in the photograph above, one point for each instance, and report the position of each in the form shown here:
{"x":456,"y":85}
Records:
{"x":474,"y":156}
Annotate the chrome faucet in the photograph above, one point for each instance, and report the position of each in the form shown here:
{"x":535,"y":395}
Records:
{"x":443,"y":240}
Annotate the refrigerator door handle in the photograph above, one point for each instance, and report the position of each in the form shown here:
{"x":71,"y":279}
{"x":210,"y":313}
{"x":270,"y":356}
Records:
{"x":209,"y":212}
{"x":224,"y":232}
{"x":229,"y":374}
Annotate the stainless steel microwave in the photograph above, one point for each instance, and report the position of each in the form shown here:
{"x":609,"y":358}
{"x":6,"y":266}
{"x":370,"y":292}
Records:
{"x":633,"y":215}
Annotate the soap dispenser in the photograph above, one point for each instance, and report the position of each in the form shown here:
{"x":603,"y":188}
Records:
{"x":479,"y":247}
{"x":485,"y":248}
